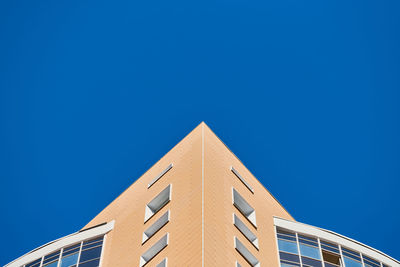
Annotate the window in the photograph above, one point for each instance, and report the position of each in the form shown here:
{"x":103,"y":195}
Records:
{"x":244,"y":208}
{"x":70,"y":255}
{"x":51,"y":260}
{"x":308,"y":250}
{"x":309,"y":247}
{"x":242,"y":179}
{"x":308,"y":262}
{"x":245,"y":231}
{"x":89,"y":253}
{"x":160,"y":175}
{"x":155,"y":227}
{"x":351,"y":258}
{"x":288,"y":258}
{"x":157,"y":203}
{"x":163,"y":263}
{"x":154,"y":250}
{"x":330,"y":254}
{"x":289,"y":264}
{"x":35,"y":263}
{"x":368,"y":262}
{"x":246,"y":253}
{"x":287,"y":242}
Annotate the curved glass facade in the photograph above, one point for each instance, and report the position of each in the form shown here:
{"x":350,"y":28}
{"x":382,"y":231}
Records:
{"x":298,"y":248}
{"x":83,"y":254}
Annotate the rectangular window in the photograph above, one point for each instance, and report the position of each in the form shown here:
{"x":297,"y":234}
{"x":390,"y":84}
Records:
{"x":287,"y":241}
{"x":245,"y":231}
{"x":369,"y":262}
{"x":289,"y":264}
{"x":154,"y":250}
{"x":351,"y":258}
{"x":246,"y":253}
{"x":35,"y":263}
{"x":51,"y":260}
{"x":289,"y":258}
{"x":287,"y":246}
{"x":155,"y":227}
{"x":329,"y":247}
{"x":244,"y":208}
{"x":242,"y":179}
{"x":309,"y":247}
{"x":308,"y":262}
{"x":157,"y":203}
{"x":158,"y":177}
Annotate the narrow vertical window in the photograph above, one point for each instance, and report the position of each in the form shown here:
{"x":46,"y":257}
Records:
{"x":157,"y":203}
{"x":245,"y":231}
{"x":244,"y":207}
{"x":247,"y":255}
{"x":242,"y":179}
{"x":158,"y":177}
{"x":154,"y":250}
{"x":155,"y":227}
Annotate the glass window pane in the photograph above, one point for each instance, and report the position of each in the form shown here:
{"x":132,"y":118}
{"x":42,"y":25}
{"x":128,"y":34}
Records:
{"x":287,"y":246}
{"x":311,"y":262}
{"x":94,"y":263}
{"x":286,"y":265}
{"x":351,"y":263}
{"x":36,"y":263}
{"x":289,"y":257}
{"x":71,"y":249}
{"x":90,"y":254}
{"x":69,"y":260}
{"x":309,"y":251}
{"x":53,"y":264}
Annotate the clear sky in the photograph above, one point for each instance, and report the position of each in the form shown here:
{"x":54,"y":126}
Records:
{"x":305,"y":93}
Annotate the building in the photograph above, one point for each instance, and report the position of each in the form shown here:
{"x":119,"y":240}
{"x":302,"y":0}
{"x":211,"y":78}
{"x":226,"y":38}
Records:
{"x":200,"y":206}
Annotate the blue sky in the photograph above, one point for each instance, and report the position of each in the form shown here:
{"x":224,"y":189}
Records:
{"x":305,"y":93}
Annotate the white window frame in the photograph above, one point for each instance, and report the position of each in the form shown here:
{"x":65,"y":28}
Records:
{"x":158,"y":202}
{"x":245,"y":208}
{"x":155,"y":227}
{"x":153,"y":251}
{"x":333,"y":237}
{"x":245,"y":252}
{"x":61,"y":243}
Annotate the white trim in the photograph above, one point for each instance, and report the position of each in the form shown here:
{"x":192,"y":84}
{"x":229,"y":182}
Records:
{"x":336,"y":238}
{"x":60,"y":243}
{"x":102,"y":250}
{"x":158,"y":177}
{"x":202,"y":195}
{"x":277,"y":246}
{"x":320,"y":252}
{"x":298,"y":248}
{"x":59,"y":257}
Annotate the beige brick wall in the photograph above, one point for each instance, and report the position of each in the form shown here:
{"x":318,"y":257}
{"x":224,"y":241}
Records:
{"x":200,"y":151}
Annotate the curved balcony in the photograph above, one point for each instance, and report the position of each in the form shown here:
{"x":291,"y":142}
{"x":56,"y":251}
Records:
{"x":305,"y":245}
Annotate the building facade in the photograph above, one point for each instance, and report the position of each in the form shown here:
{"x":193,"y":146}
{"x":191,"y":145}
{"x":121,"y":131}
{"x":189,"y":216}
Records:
{"x":200,"y":206}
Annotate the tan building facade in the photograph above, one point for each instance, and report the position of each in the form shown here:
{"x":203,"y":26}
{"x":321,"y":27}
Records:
{"x":199,"y":206}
